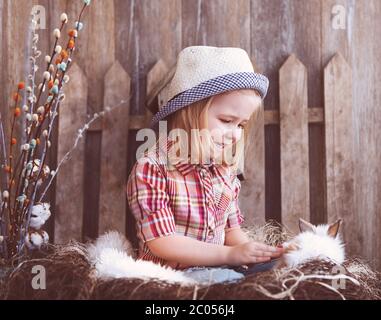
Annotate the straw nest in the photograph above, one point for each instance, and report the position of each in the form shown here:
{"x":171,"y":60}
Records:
{"x":71,"y":275}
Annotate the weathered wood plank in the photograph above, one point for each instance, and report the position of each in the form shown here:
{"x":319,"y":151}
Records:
{"x":366,"y":46}
{"x":216,"y":23}
{"x":337,"y":19}
{"x":294,"y":142}
{"x":294,"y":28}
{"x":360,"y":48}
{"x":112,"y":204}
{"x":315,"y":115}
{"x":339,"y":146}
{"x":139,"y":122}
{"x":138,"y":52}
{"x":96,"y":46}
{"x":15,"y":22}
{"x":70,"y":179}
{"x":95,"y":55}
{"x":337,"y":26}
{"x":252,"y":195}
{"x":157,"y":78}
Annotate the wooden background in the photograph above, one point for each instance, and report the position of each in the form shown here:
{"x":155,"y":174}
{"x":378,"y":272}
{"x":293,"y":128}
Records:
{"x":127,"y":46}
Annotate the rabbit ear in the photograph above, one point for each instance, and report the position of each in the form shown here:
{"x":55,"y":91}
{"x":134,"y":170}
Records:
{"x":305,"y":226}
{"x":333,"y":228}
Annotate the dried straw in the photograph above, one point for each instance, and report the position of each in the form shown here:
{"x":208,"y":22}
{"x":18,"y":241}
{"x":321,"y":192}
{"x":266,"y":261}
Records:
{"x":70,"y":275}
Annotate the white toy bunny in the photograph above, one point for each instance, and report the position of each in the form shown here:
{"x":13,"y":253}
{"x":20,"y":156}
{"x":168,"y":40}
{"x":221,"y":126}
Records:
{"x":36,"y":237}
{"x":314,"y":242}
{"x":40,"y":213}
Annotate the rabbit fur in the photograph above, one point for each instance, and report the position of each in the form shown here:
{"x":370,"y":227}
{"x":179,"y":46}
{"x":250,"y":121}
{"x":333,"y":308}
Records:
{"x":314,"y":242}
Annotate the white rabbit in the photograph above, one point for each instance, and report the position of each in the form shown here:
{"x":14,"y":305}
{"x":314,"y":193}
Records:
{"x":314,"y":242}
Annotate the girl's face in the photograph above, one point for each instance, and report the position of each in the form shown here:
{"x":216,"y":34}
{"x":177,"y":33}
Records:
{"x":227,"y":115}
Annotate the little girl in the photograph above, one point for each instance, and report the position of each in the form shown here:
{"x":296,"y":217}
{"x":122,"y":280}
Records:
{"x":186,"y":206}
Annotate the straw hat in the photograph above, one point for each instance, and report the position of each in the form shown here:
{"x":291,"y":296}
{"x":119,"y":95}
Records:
{"x":204,"y":71}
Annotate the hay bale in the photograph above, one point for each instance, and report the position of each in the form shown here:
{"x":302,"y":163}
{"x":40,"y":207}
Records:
{"x":71,"y":275}
{"x":272,"y":233}
{"x":4,"y":270}
{"x":137,"y":289}
{"x":310,"y":281}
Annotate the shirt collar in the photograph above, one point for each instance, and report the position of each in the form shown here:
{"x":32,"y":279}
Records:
{"x":185,"y":167}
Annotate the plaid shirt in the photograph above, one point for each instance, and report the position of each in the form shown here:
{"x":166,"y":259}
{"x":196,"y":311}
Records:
{"x":194,"y":200}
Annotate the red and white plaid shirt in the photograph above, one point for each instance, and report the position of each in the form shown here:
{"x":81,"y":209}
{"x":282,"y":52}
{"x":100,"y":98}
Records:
{"x":193,"y":200}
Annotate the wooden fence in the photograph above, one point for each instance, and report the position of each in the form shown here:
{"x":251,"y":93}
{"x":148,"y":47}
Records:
{"x":315,"y":153}
{"x":293,"y":118}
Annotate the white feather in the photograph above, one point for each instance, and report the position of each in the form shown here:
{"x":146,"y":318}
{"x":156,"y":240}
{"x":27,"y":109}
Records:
{"x":111,"y":239}
{"x":112,"y":255}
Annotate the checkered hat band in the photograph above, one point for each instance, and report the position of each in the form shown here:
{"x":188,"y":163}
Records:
{"x":228,"y":82}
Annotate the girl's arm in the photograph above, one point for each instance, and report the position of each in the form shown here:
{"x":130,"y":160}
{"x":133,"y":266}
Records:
{"x":188,"y":251}
{"x":150,"y":204}
{"x":235,"y":236}
{"x":191,"y":252}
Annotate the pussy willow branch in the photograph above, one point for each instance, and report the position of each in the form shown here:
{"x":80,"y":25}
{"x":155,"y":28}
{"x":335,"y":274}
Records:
{"x":42,"y":160}
{"x":2,"y":142}
{"x":2,"y":202}
{"x":79,"y":136}
{"x":31,"y":77}
{"x":51,"y":121}
{"x":38,"y":99}
{"x":10,"y":169}
{"x":31,"y":203}
{"x":35,"y":39}
{"x":31,"y":106}
{"x":29,"y":153}
{"x":34,"y":55}
{"x":62,"y":75}
{"x":41,"y":124}
{"x":48,"y":64}
{"x":34,"y":129}
{"x":47,"y":139}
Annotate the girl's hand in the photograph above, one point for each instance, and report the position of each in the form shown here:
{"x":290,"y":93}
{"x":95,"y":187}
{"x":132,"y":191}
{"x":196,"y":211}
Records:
{"x":252,"y":252}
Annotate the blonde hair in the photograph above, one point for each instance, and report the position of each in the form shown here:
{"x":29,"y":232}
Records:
{"x":193,"y":119}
